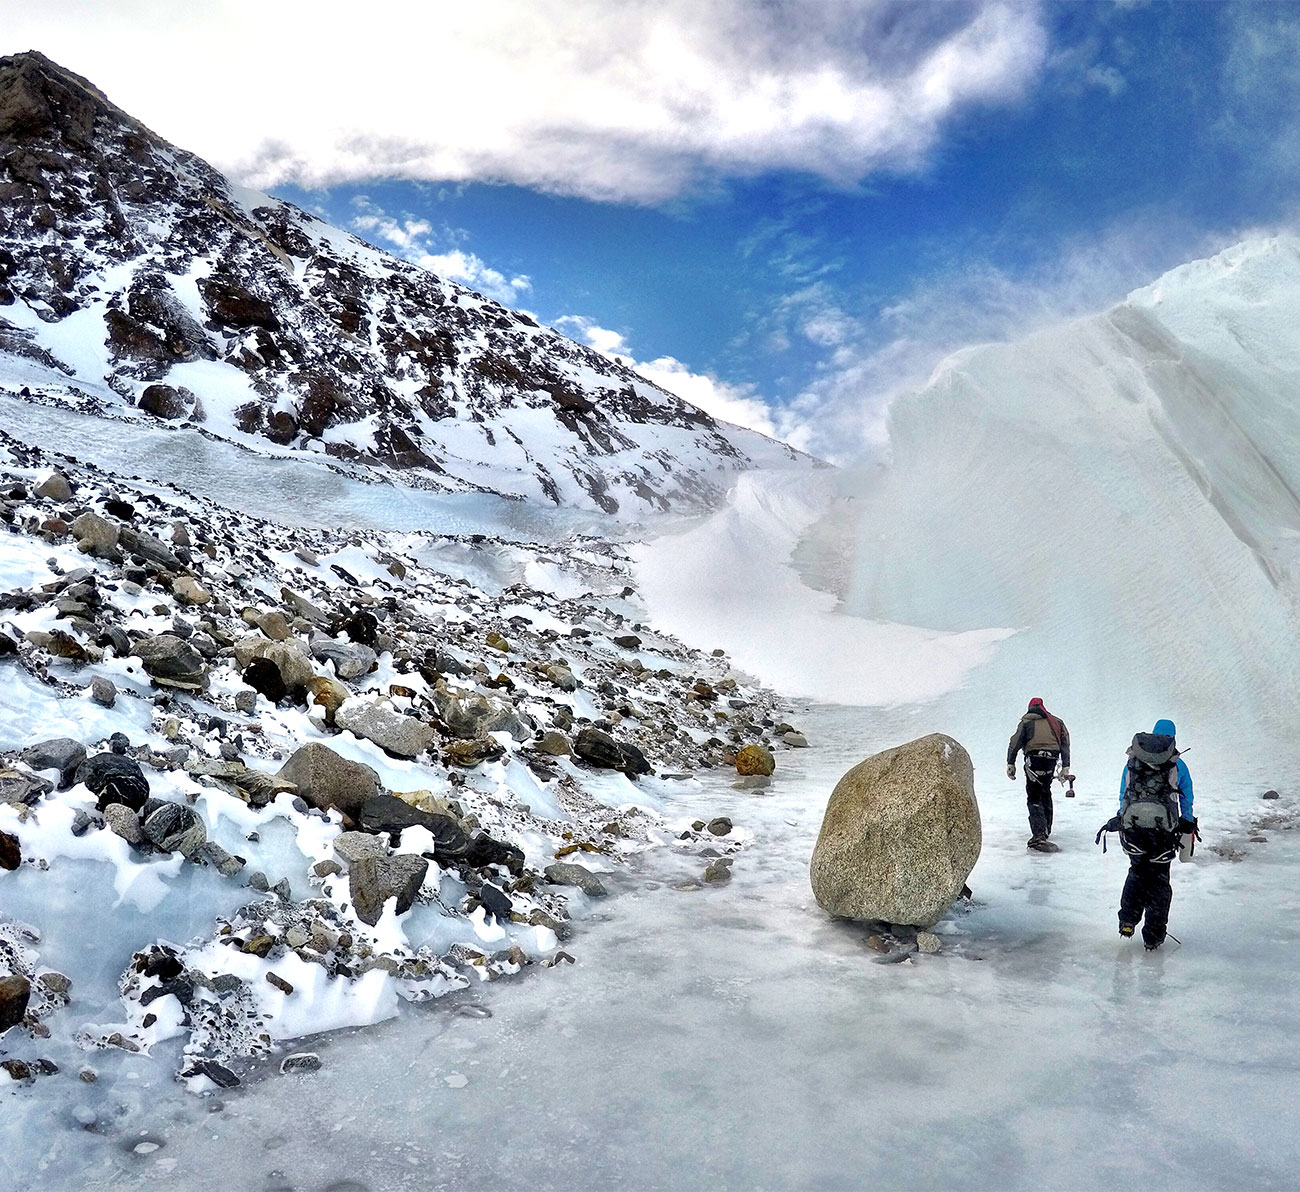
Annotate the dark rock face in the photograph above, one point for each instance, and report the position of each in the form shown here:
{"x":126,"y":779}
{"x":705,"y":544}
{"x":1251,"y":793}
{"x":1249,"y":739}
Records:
{"x":598,"y":748}
{"x":15,"y":992}
{"x":328,"y":333}
{"x":115,"y":779}
{"x":162,"y":401}
{"x":11,"y":854}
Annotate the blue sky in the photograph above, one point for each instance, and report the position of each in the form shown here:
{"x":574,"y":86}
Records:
{"x":785,"y":210}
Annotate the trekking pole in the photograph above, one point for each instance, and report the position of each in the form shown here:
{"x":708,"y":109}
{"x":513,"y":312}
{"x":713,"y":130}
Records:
{"x":1173,"y":937}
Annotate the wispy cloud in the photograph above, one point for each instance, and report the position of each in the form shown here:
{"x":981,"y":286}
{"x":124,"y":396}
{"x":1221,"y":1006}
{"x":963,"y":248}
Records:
{"x":886,"y":350}
{"x":611,"y":99}
{"x":738,"y":404}
{"x":416,"y":240}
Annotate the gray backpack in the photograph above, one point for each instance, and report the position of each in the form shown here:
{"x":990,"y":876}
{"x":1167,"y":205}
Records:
{"x":1149,"y":813}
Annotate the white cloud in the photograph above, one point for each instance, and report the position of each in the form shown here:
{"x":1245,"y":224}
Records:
{"x":612,"y":99}
{"x":416,"y":241}
{"x":738,"y":404}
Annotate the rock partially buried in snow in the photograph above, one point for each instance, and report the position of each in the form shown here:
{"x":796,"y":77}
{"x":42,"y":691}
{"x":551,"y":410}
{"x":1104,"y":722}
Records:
{"x":59,"y":753}
{"x":376,"y":721}
{"x":174,"y":828}
{"x":325,"y":779}
{"x":900,"y":836}
{"x":565,"y":873}
{"x":372,"y":880}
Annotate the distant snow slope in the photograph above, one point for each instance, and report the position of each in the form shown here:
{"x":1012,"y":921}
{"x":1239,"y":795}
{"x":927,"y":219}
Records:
{"x":1115,"y":497}
{"x":1122,"y":490}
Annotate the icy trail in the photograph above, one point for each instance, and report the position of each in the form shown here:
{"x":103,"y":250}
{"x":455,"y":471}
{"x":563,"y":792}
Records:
{"x":737,"y":1038}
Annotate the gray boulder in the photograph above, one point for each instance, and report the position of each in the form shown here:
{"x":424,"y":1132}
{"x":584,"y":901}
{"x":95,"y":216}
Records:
{"x":405,"y":736}
{"x":350,"y":659}
{"x":900,"y":836}
{"x":373,"y":880}
{"x":326,"y":780}
{"x":470,"y":716}
{"x":565,"y":873}
{"x":172,"y":661}
{"x":58,"y":753}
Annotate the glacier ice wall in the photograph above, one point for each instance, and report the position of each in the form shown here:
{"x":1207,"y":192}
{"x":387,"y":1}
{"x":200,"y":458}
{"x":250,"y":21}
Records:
{"x":1122,"y":490}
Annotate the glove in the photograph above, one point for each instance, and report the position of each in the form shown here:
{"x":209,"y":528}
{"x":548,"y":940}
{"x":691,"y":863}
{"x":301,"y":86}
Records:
{"x":1011,"y":771}
{"x":1111,"y":825}
{"x":1189,"y":826}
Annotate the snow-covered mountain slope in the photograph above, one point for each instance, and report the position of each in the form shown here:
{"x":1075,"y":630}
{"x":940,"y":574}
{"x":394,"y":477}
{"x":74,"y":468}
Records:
{"x":1123,"y":491}
{"x":134,"y":275}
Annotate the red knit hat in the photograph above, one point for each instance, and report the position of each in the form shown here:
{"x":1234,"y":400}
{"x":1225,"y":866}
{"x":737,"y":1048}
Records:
{"x":1036,"y":705}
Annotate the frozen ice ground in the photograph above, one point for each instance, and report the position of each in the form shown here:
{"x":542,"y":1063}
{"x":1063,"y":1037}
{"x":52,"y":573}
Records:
{"x":737,"y":1038}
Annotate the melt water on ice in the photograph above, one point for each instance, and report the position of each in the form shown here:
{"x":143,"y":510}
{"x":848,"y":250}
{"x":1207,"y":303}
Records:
{"x":1102,"y":516}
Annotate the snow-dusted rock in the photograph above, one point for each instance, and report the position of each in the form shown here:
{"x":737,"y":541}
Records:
{"x":372,"y":880}
{"x":350,"y":659}
{"x":379,"y":722}
{"x":900,"y":835}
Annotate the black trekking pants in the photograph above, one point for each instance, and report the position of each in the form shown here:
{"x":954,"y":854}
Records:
{"x":1147,"y":891}
{"x":1038,"y":794}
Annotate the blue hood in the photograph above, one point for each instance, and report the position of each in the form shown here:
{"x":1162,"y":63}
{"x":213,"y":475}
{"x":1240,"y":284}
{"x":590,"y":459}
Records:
{"x":1165,"y":727}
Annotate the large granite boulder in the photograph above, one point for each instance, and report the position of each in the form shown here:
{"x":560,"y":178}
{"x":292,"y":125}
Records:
{"x":325,"y":779}
{"x":900,"y":836}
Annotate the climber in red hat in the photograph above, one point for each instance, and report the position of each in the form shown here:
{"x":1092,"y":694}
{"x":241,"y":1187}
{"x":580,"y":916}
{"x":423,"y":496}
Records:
{"x":1046,"y":743}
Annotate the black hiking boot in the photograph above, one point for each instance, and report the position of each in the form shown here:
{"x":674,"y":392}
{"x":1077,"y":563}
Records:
{"x":1151,"y":945}
{"x":1126,"y":930}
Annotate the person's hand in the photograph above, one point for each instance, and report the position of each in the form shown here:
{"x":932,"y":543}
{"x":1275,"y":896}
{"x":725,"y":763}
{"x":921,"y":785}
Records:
{"x":1011,"y":771}
{"x":1112,"y":824}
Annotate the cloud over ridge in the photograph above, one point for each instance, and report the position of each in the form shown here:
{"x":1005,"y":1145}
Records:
{"x":634,"y":100}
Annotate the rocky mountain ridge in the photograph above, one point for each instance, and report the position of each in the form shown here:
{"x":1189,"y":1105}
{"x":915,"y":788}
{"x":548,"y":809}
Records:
{"x":136,"y":279}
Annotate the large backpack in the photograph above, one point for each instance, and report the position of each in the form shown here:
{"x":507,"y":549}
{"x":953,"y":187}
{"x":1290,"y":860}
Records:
{"x":1149,"y":812}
